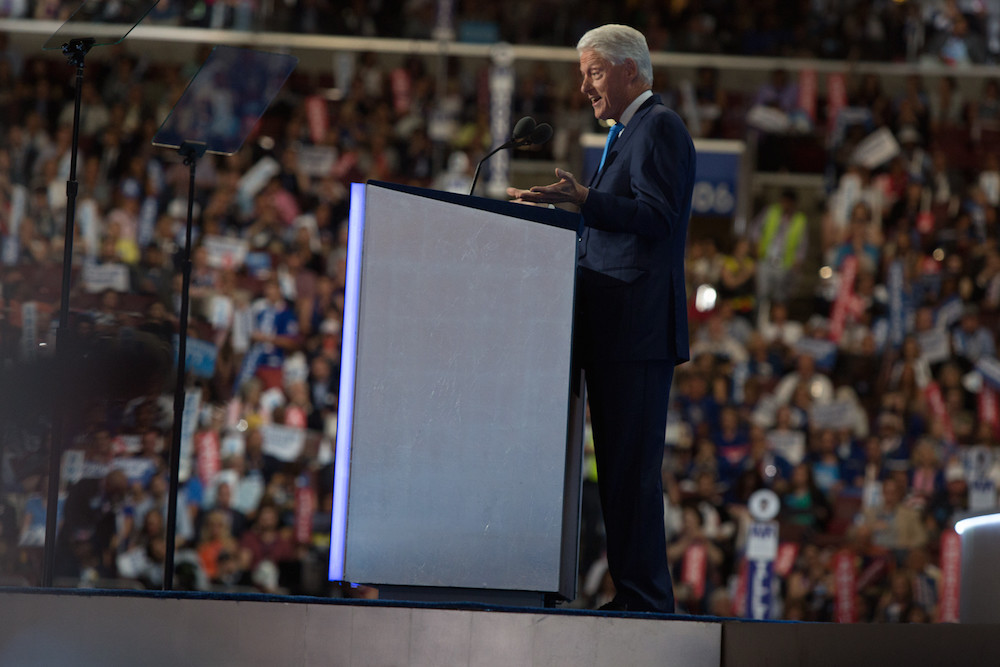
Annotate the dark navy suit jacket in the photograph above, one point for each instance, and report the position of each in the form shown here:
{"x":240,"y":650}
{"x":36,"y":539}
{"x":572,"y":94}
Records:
{"x":631,"y":295}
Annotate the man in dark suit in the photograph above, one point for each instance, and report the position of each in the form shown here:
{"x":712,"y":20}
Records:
{"x":631,"y":327}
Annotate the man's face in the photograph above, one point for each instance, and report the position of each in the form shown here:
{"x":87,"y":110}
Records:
{"x":606,"y":85}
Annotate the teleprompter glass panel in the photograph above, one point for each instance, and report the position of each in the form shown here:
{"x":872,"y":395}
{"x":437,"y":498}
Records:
{"x":225,"y":99}
{"x":104,"y":22}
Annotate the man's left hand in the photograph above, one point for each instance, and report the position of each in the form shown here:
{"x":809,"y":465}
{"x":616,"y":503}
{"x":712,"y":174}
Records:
{"x":566,"y":190}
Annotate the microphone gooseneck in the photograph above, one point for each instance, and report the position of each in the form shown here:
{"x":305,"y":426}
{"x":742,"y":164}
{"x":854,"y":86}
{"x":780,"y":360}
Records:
{"x":521,"y":135}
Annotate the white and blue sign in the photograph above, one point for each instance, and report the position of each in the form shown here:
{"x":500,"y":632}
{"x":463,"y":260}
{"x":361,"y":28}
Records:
{"x":199,"y":357}
{"x":760,"y":576}
{"x":717,"y":173}
{"x":761,"y":552}
{"x":989,"y":368}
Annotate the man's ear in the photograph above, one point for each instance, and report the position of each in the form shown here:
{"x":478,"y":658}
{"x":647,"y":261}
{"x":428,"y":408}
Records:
{"x":631,"y":69}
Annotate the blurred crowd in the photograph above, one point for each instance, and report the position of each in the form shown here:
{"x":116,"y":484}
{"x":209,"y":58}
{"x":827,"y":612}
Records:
{"x":951,"y":31}
{"x":863,"y":398}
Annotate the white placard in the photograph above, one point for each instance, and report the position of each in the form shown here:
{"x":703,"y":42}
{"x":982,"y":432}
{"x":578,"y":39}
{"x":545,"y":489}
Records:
{"x":317,"y":161}
{"x":837,"y":414}
{"x":789,"y":445}
{"x":258,"y":176}
{"x":284,"y":443}
{"x":876,"y":149}
{"x":135,"y":469}
{"x":982,"y":495}
{"x":225,"y":252}
{"x":189,"y":424}
{"x":72,"y":466}
{"x":99,"y":277}
{"x":762,"y":541}
{"x":934,"y":345}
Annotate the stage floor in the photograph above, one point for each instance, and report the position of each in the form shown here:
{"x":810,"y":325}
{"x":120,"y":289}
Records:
{"x":83,"y":628}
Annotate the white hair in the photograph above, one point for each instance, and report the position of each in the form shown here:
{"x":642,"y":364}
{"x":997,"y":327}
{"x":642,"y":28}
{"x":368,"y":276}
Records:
{"x":618,"y":43}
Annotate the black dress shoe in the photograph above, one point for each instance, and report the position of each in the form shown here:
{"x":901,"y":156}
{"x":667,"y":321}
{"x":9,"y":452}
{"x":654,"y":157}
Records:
{"x":616,"y":604}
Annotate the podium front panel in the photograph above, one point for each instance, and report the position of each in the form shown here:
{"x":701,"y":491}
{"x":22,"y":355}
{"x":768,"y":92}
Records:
{"x":458,"y":420}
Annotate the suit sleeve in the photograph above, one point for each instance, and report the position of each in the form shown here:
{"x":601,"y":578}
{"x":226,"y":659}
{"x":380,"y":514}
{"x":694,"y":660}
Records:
{"x":659,"y":179}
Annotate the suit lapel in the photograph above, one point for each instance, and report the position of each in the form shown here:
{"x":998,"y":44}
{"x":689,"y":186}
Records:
{"x":622,"y":142}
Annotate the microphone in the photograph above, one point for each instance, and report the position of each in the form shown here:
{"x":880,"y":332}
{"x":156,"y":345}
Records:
{"x":522,"y":131}
{"x":522,"y":135}
{"x":539,"y":135}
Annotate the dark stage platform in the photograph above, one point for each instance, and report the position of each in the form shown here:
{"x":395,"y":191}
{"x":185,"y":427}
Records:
{"x":75,"y":627}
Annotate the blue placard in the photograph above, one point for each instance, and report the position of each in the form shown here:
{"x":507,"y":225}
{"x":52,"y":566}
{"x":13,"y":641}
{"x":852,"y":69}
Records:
{"x":760,"y":576}
{"x":258,"y":264}
{"x":716,"y":180}
{"x":199,"y":357}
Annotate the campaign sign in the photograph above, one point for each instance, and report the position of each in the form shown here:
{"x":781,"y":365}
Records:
{"x":787,"y":553}
{"x":258,"y":264}
{"x":951,"y":311}
{"x":979,"y":461}
{"x":951,"y":577}
{"x":716,"y":173}
{"x":935,"y":346}
{"x":695,"y":569}
{"x":762,"y":550}
{"x":836,"y":414}
{"x":99,"y":277}
{"x":305,"y":506}
{"x":317,"y":161}
{"x":845,"y":294}
{"x":225,"y":252}
{"x":72,"y":466}
{"x":136,"y":469}
{"x":988,"y":408}
{"x":824,"y":352}
{"x":199,"y":357}
{"x":989,"y":368}
{"x":284,"y":443}
{"x":982,"y":495}
{"x":716,"y":178}
{"x":259,"y":175}
{"x":207,"y":449}
{"x":845,"y":585}
{"x":317,"y":117}
{"x":189,"y":424}
{"x":876,"y":149}
{"x":29,"y":330}
{"x":760,"y":575}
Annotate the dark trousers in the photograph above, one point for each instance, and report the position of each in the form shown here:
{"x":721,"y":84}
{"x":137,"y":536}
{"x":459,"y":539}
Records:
{"x":628,"y":413}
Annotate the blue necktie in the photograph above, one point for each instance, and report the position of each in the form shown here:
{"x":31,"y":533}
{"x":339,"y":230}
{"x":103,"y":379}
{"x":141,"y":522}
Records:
{"x":613,"y":133}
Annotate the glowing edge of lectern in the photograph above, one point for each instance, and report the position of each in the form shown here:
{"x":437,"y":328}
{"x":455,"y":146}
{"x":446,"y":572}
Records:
{"x":345,"y":406}
{"x":976,"y":522}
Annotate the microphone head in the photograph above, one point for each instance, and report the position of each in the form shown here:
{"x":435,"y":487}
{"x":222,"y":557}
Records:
{"x":523,"y":128}
{"x":540,"y":134}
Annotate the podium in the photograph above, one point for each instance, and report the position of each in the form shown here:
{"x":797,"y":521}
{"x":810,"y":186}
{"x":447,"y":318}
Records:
{"x":457,"y":474}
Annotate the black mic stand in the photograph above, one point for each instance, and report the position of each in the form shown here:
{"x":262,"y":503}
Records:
{"x":475,"y":177}
{"x":520,"y":136}
{"x":76,"y":50}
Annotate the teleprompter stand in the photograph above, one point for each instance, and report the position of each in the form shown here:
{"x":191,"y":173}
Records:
{"x":75,"y":38}
{"x":215,"y":114}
